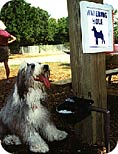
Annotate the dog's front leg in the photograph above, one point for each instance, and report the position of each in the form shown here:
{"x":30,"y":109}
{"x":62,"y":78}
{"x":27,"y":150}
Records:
{"x":12,"y":140}
{"x":52,"y":133}
{"x":3,"y":130}
{"x":34,"y":141}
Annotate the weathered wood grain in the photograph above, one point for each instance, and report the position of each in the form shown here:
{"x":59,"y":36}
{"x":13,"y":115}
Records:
{"x":88,"y":76}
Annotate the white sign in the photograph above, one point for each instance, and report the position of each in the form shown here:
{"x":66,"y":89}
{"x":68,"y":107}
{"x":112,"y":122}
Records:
{"x":97,"y":27}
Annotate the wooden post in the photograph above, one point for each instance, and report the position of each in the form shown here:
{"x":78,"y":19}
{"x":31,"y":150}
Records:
{"x":88,"y":76}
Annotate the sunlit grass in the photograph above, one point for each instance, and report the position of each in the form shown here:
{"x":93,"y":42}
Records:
{"x":58,"y":70}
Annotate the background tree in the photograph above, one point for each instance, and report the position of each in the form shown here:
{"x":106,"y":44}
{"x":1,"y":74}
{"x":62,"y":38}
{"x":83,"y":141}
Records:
{"x":52,"y":30}
{"x":28,"y":24}
{"x":62,"y":34}
{"x":33,"y":26}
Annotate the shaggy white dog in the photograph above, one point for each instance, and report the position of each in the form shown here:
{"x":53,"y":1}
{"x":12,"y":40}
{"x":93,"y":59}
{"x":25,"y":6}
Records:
{"x":25,"y":113}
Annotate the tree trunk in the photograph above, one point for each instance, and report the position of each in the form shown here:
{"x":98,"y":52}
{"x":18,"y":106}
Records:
{"x":88,"y":76}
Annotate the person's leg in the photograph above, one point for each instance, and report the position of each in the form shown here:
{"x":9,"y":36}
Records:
{"x":7,"y":69}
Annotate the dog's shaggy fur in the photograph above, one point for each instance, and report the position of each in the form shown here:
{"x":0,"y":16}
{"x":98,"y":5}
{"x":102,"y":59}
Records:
{"x":25,"y":115}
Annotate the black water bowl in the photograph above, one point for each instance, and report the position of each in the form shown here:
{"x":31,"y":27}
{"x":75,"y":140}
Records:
{"x":74,"y":109}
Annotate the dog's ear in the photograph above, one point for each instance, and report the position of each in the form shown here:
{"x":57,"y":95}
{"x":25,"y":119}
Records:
{"x":21,"y":73}
{"x":23,"y":65}
{"x":21,"y":77}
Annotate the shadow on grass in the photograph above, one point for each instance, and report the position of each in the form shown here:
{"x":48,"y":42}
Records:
{"x":65,"y":65}
{"x":5,"y":89}
{"x":72,"y":145}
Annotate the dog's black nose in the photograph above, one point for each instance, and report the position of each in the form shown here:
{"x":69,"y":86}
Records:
{"x":46,"y":67}
{"x":32,"y":66}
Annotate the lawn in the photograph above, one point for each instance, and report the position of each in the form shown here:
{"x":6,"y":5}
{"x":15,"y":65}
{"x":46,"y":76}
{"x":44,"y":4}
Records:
{"x":59,"y":71}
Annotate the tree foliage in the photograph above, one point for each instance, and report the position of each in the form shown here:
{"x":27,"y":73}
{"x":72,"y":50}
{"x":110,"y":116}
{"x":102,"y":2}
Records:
{"x":33,"y":26}
{"x":62,"y":34}
{"x":26,"y":22}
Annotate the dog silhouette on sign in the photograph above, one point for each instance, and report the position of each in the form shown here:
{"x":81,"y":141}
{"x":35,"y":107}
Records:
{"x":98,"y":35}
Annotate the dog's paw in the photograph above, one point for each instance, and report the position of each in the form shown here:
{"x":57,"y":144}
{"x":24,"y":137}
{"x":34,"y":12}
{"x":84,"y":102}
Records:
{"x":58,"y":136}
{"x":12,"y":140}
{"x":40,"y":148}
{"x":61,"y":135}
